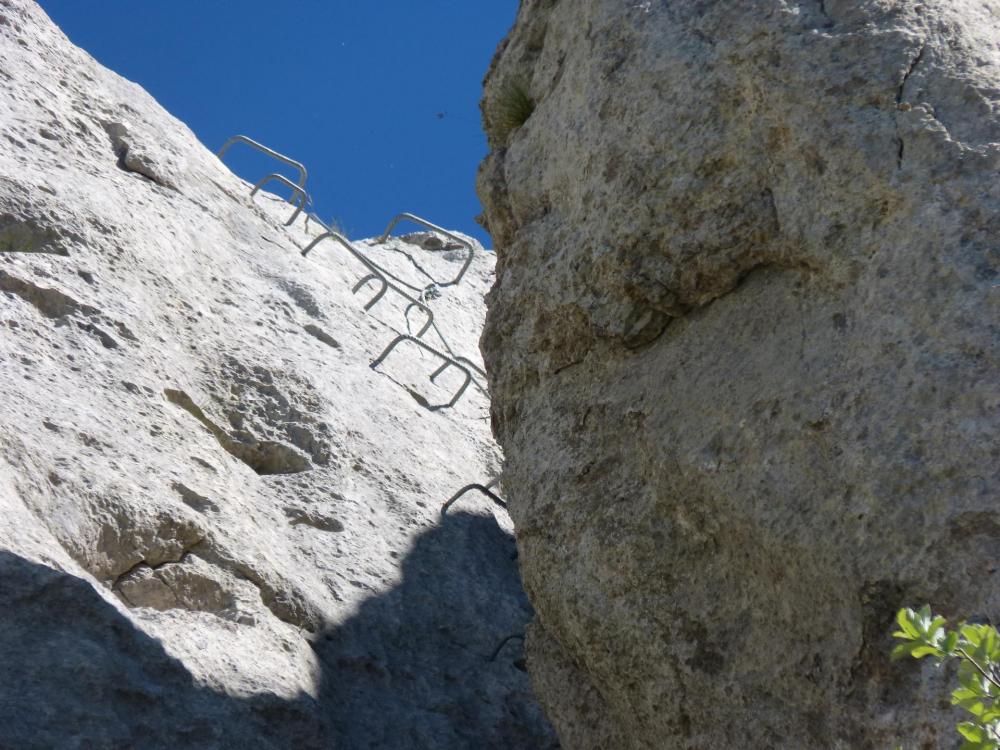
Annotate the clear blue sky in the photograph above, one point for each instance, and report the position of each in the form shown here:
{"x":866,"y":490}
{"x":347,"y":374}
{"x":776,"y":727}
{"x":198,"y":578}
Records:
{"x":379,"y":98}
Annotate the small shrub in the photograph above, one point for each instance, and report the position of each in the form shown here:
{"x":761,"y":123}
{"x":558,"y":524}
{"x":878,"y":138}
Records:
{"x":977,"y":649}
{"x":509,"y":109}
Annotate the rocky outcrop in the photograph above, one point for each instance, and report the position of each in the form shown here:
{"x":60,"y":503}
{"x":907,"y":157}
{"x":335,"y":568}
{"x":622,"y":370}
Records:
{"x":743,"y":352}
{"x":220,"y":525}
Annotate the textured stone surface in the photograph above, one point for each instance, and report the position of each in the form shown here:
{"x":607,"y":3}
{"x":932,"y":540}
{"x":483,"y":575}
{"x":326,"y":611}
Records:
{"x":743,"y":353}
{"x":219,"y":527}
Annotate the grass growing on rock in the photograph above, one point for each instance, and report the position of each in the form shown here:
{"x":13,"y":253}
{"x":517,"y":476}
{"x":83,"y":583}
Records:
{"x":509,"y":108}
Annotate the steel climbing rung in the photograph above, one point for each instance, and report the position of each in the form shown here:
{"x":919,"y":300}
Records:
{"x":270,"y":152}
{"x":378,"y":274}
{"x":485,"y":489}
{"x":504,"y":642}
{"x":465,"y":361}
{"x":379,"y":294}
{"x":434,"y":228}
{"x":302,"y":195}
{"x":448,"y":360}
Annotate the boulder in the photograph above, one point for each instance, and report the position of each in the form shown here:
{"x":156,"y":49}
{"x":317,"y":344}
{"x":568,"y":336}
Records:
{"x":743,"y":352}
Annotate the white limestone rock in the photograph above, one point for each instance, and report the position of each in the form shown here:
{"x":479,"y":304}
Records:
{"x":219,"y":527}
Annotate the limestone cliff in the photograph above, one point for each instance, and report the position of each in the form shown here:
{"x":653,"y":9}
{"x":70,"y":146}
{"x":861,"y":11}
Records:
{"x":220,"y":513}
{"x":743,"y":351}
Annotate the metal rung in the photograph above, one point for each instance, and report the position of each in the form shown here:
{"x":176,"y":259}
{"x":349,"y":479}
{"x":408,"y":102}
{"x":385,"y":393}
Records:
{"x":464,"y":361}
{"x":504,"y":642}
{"x":434,"y":228}
{"x":378,"y":274}
{"x":270,"y":152}
{"x":448,"y":360}
{"x":310,"y":216}
{"x":298,"y":192}
{"x":381,"y":292}
{"x":484,"y":488}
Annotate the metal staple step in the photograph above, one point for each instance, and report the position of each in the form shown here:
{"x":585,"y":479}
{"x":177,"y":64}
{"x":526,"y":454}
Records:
{"x":270,"y":152}
{"x":483,"y":488}
{"x":297,"y":192}
{"x":434,"y":228}
{"x":449,"y":362}
{"x":376,"y":273}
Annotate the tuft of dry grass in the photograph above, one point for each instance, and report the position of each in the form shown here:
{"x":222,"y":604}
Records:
{"x":509,"y":108}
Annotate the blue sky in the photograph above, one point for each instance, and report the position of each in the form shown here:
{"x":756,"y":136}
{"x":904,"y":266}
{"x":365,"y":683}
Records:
{"x":379,"y":99}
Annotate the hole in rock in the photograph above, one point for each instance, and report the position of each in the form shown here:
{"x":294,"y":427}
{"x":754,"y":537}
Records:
{"x":19,"y":234}
{"x":313,"y":518}
{"x":317,"y":332}
{"x":263,"y":456}
{"x":49,"y":302}
{"x":194,"y":500}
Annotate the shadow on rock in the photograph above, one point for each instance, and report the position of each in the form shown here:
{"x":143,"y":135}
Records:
{"x":76,"y":673}
{"x":415,"y":668}
{"x":412,"y":669}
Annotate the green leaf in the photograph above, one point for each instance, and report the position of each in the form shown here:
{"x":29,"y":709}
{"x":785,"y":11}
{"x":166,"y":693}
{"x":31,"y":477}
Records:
{"x":950,"y":642}
{"x":903,"y":650}
{"x":974,"y":706}
{"x":990,"y":639}
{"x":981,"y":655}
{"x":973,"y":634}
{"x":971,"y":731}
{"x":960,"y":694}
{"x":970,"y":679}
{"x":905,"y":618}
{"x":937,"y":625}
{"x":924,"y":617}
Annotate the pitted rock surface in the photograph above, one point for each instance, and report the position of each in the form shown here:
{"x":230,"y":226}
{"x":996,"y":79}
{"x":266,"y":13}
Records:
{"x":219,"y":526}
{"x":743,"y":354}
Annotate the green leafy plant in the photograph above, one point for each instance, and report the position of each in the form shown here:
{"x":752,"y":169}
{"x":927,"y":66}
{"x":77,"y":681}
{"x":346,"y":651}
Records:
{"x":977,"y":650}
{"x":510,"y":107}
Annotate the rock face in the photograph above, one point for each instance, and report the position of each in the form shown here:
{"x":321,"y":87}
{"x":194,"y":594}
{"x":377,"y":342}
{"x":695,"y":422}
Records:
{"x":743,"y":350}
{"x":219,"y":525}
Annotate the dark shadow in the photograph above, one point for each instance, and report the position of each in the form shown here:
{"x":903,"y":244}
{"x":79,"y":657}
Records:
{"x":76,"y":673}
{"x":411,"y":669}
